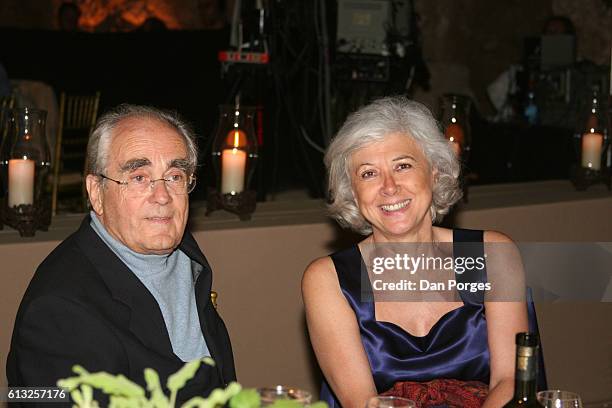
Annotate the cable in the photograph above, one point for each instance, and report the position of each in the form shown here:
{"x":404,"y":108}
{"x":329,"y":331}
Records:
{"x":311,"y":142}
{"x":326,"y":77}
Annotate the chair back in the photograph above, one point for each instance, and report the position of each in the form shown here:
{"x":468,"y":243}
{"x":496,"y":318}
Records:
{"x":7,"y":101}
{"x":77,"y":118}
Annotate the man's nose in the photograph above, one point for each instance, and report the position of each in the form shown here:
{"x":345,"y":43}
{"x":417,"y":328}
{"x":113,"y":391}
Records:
{"x":159,"y":191}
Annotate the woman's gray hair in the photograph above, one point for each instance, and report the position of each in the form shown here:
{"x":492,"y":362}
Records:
{"x":373,"y":123}
{"x":100,"y":139}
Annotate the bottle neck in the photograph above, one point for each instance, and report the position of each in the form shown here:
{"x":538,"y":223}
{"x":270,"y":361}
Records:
{"x":524,"y":390}
{"x":526,"y":373}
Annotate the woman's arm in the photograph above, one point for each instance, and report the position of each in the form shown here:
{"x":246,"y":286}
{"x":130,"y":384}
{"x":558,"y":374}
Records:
{"x":335,"y":337}
{"x":505,"y":316}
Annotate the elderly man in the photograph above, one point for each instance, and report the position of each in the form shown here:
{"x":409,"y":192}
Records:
{"x":130,"y":289}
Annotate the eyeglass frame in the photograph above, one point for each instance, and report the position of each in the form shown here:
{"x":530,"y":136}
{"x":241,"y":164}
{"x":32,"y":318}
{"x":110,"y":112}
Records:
{"x":191,"y":179}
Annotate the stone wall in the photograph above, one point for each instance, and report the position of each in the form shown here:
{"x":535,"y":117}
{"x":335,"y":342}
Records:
{"x":593,"y":21}
{"x":487,"y":36}
{"x":481,"y":35}
{"x":478,"y":38}
{"x":113,"y":15}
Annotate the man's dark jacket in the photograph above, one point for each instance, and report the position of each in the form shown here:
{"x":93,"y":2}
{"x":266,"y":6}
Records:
{"x":84,"y":306}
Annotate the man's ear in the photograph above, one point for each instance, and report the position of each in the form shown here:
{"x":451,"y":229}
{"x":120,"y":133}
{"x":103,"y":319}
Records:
{"x":94,"y":191}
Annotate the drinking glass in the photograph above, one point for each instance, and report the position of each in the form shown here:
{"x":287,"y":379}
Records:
{"x":559,"y":399}
{"x":270,"y":394}
{"x":390,"y":402}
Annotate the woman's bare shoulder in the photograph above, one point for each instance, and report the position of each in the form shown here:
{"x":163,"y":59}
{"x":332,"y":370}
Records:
{"x":446,"y":235}
{"x":320,"y":272}
{"x":491,"y":236}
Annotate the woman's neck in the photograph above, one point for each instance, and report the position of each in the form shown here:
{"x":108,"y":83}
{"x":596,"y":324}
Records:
{"x":426,"y":234}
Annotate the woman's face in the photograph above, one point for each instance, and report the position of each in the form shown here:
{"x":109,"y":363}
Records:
{"x":392,"y":182}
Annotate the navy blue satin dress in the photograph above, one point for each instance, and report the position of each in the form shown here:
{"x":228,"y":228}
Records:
{"x":456,"y":346}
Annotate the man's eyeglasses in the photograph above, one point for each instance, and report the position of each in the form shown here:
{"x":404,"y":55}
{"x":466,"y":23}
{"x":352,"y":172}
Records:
{"x":176,"y":183}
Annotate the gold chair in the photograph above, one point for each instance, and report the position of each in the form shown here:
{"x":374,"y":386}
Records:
{"x":7,"y":101}
{"x":77,"y":117}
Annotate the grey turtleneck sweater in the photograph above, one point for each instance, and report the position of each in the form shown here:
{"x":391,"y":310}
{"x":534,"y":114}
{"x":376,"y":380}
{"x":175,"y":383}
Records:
{"x":170,"y":280}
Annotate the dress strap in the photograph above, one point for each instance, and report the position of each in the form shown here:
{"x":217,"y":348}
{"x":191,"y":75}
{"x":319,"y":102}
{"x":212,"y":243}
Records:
{"x":346,"y":263}
{"x":469,"y":244}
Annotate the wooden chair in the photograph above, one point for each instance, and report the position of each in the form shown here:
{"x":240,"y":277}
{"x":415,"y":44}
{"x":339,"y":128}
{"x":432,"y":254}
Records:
{"x":7,"y":101}
{"x":77,"y":117}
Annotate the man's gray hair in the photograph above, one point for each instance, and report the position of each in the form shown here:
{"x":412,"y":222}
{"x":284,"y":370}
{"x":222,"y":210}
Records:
{"x":373,"y":123}
{"x":100,"y":139}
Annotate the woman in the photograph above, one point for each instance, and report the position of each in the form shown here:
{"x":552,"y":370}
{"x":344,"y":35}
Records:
{"x":392,"y":174}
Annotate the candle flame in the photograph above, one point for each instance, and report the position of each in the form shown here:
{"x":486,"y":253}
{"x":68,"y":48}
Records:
{"x":236,"y":138}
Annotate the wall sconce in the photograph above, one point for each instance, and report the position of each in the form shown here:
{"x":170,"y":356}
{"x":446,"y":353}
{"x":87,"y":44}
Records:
{"x":234,"y":155}
{"x":455,"y":120}
{"x":591,"y":142}
{"x":24,"y":169}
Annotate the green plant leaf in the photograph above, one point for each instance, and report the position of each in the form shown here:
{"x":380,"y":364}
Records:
{"x":194,"y":402}
{"x":157,"y":398}
{"x":286,"y":403}
{"x":209,"y":361}
{"x":113,"y":384}
{"x":126,"y":402}
{"x":178,"y":380}
{"x":218,"y":397}
{"x":77,"y":397}
{"x":248,"y":398}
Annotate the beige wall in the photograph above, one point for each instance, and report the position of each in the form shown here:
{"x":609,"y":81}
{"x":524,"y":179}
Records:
{"x":258,"y":271}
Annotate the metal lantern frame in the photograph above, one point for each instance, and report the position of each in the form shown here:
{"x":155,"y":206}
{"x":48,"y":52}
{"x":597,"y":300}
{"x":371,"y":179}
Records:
{"x":455,"y":120}
{"x":25,"y":166}
{"x":591,"y":144}
{"x":234,"y":159}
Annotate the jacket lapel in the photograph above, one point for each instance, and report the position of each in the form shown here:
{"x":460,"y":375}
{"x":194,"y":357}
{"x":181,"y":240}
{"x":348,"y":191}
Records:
{"x":206,"y":312}
{"x":146,"y":320}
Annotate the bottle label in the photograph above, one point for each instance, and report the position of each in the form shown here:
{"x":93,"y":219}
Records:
{"x":525,"y":364}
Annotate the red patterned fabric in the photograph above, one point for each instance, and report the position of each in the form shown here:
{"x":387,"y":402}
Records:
{"x":443,"y":393}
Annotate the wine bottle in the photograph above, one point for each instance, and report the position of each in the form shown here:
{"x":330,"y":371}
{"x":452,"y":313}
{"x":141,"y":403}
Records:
{"x":526,"y":373}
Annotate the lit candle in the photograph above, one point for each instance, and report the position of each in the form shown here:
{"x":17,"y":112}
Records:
{"x":455,"y":146}
{"x":454,"y":134}
{"x":21,"y":182}
{"x":591,"y":150}
{"x":233,"y":164}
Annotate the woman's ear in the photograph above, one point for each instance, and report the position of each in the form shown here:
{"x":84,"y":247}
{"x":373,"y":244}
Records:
{"x":94,"y":191}
{"x":434,"y":175}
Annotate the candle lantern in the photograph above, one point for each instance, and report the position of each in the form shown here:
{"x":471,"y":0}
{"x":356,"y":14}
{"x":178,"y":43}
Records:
{"x":591,"y":139}
{"x":24,"y":170}
{"x":234,"y":155}
{"x":455,"y":121}
{"x":4,"y":114}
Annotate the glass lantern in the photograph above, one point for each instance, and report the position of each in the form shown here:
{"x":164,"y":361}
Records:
{"x":25,"y":169}
{"x":4,"y":115}
{"x":455,"y":120}
{"x":591,"y":141}
{"x":234,"y":156}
